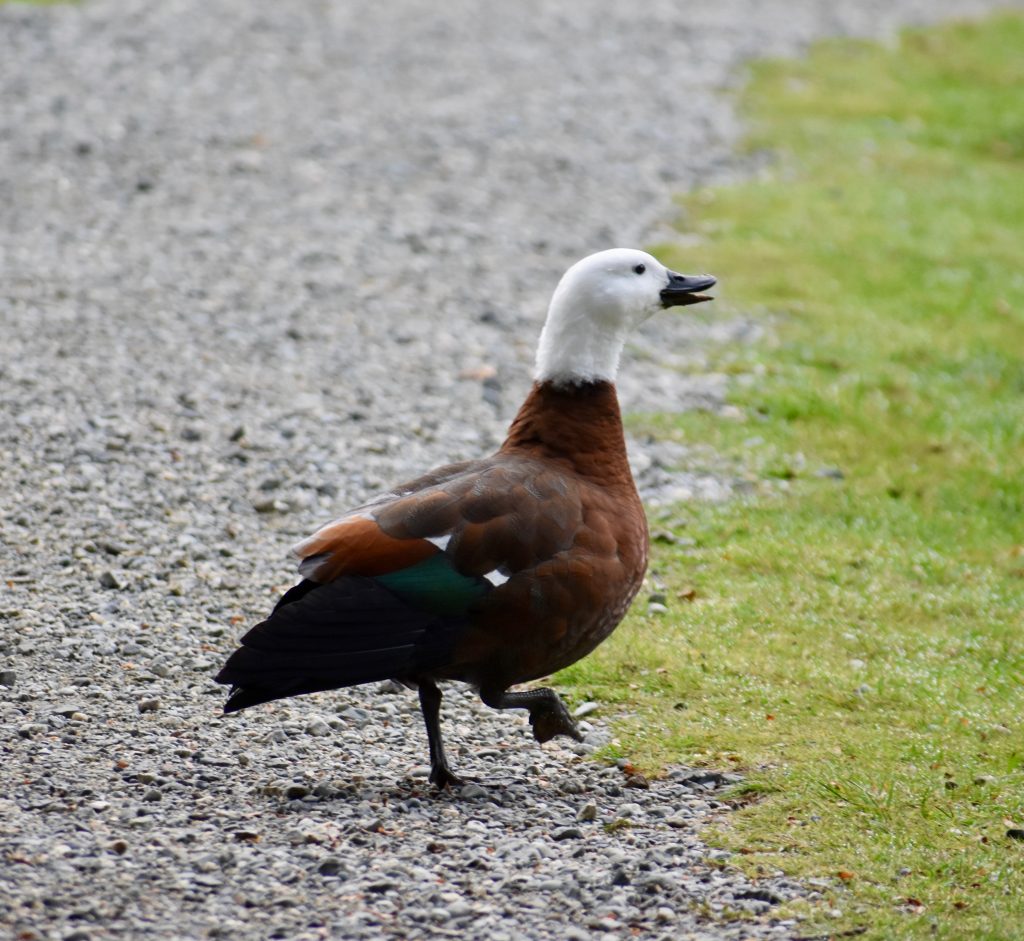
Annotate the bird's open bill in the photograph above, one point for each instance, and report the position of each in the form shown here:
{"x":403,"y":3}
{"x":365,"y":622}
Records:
{"x":683,"y":289}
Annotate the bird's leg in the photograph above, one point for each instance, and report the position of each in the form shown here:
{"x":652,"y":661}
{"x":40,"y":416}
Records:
{"x":430,"y":702}
{"x":548,"y":714}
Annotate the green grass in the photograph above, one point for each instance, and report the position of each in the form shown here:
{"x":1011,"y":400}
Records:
{"x":856,"y":645}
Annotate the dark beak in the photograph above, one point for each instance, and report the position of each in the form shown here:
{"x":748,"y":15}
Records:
{"x":682,"y":289}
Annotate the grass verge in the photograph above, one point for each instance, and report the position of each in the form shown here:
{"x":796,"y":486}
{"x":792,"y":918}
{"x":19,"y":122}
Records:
{"x":854,"y":634}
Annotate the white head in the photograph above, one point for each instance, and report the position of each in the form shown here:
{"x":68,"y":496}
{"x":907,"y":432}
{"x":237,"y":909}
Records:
{"x":597,"y":302}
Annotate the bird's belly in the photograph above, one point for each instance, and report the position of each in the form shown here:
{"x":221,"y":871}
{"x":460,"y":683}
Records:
{"x":584,"y":633}
{"x":535,"y":625}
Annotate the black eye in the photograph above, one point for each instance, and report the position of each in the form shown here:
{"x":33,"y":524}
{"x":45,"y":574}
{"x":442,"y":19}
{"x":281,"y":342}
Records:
{"x":640,"y":269}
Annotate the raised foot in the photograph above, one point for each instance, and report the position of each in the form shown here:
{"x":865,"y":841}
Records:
{"x":548,"y":714}
{"x":549,"y":721}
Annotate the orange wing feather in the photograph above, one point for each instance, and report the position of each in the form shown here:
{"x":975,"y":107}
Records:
{"x":357,"y":546}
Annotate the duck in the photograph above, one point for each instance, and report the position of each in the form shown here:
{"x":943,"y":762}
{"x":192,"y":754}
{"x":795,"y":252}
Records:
{"x":492,"y":572}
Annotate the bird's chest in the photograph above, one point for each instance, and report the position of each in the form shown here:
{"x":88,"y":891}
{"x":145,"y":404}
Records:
{"x":601,"y":598}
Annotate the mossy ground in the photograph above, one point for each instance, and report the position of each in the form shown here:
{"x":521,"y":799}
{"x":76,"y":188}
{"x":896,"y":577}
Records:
{"x":855,"y":643}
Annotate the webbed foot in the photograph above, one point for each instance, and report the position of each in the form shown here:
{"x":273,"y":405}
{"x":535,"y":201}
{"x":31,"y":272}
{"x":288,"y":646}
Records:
{"x":441,"y":776}
{"x":549,"y":722}
{"x":548,"y":714}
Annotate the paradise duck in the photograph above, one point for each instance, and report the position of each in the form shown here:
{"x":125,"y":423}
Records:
{"x":496,"y":571}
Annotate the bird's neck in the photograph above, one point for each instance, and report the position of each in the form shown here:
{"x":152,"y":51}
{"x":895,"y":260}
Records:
{"x":577,"y":423}
{"x":577,"y":348}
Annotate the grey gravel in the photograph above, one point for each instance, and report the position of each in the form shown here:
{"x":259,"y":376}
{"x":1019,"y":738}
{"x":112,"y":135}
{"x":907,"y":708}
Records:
{"x":259,"y":260}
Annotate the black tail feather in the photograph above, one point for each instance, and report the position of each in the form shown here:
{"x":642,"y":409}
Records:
{"x":344,"y":633}
{"x":295,"y":593}
{"x":242,"y":697}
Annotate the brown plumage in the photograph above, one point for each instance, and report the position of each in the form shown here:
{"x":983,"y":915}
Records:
{"x":491,"y":572}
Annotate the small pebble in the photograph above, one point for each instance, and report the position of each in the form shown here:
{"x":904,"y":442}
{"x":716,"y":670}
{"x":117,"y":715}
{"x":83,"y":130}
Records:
{"x":332,"y":866}
{"x":109,"y":580}
{"x":318,"y":727}
{"x":358,"y":717}
{"x":568,"y":833}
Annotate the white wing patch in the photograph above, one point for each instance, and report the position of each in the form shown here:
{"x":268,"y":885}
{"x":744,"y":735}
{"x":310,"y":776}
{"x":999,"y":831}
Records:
{"x":496,"y":578}
{"x":440,"y":541}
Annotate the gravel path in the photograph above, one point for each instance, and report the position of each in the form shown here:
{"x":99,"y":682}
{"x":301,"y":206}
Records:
{"x":259,"y":259}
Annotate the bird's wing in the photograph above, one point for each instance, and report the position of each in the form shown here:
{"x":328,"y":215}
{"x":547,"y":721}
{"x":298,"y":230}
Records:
{"x":489,"y":519}
{"x":390,"y":588}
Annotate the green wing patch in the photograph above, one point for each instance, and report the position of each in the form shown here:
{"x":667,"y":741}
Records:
{"x":434,"y":585}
